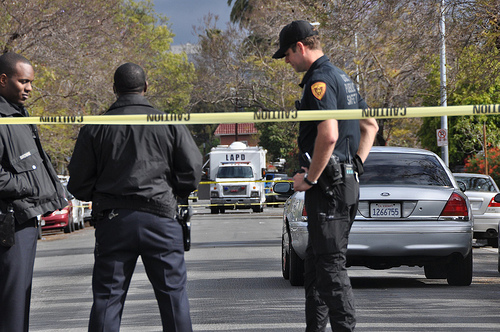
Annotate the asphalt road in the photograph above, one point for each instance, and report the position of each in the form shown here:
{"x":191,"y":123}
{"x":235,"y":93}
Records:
{"x":235,"y":284}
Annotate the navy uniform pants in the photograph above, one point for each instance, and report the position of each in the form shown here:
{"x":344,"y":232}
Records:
{"x":328,"y":289}
{"x":16,"y":276}
{"x":123,"y":235}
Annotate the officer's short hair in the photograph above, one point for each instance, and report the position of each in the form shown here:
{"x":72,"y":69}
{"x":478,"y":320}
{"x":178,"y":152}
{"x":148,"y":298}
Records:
{"x":130,"y":78}
{"x":313,"y":42}
{"x":9,"y":61}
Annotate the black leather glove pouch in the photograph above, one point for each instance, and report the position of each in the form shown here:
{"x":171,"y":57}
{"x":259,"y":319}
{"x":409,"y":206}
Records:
{"x":358,"y":165}
{"x":7,"y":228}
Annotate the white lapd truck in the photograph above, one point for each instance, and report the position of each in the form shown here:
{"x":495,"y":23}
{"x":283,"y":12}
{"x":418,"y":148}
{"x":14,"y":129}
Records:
{"x":238,"y":170}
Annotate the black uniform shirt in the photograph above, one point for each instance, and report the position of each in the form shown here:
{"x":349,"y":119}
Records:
{"x":326,"y":87}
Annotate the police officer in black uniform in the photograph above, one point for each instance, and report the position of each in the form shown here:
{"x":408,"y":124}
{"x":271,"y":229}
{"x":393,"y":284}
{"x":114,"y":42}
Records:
{"x":133,"y":175}
{"x":332,"y":153}
{"x":28,"y":187}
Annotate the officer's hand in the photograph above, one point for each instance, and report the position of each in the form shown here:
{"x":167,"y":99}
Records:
{"x":298,"y":181}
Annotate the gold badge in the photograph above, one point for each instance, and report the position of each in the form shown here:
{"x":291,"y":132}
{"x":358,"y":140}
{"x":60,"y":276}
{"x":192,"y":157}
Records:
{"x":318,"y":89}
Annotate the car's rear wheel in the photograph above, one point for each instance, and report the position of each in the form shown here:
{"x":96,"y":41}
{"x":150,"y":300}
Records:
{"x":460,"y":270}
{"x":214,"y":210}
{"x":435,"y":271}
{"x":499,"y":260}
{"x":285,"y":257}
{"x":296,"y":268}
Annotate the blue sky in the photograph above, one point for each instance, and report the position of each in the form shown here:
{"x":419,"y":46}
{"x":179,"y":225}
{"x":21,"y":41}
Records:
{"x":184,"y":14}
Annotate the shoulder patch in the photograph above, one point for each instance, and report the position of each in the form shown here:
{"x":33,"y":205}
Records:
{"x":318,"y":89}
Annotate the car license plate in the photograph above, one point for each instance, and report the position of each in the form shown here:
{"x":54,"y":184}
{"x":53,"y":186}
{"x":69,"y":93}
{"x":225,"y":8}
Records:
{"x":385,"y":210}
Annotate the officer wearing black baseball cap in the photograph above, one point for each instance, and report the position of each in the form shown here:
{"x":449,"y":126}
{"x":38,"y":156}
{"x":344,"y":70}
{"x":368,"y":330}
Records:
{"x":330,"y":213}
{"x":292,"y":33}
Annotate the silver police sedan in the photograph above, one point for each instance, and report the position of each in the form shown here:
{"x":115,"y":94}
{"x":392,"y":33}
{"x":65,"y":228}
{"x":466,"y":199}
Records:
{"x":411,"y":213}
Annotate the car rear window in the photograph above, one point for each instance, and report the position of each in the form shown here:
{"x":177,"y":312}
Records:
{"x":404,"y":169}
{"x":477,"y":183}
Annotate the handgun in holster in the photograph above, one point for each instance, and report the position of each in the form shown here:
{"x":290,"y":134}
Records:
{"x":184,"y":213}
{"x":332,"y":174}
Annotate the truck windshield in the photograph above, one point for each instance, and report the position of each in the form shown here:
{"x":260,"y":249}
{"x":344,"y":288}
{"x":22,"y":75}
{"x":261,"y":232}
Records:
{"x":235,"y":172}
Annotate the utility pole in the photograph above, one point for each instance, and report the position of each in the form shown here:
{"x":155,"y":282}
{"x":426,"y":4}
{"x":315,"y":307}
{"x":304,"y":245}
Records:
{"x":485,"y":140}
{"x":444,"y":103}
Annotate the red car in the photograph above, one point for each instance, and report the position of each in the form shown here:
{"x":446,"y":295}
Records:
{"x":60,"y":219}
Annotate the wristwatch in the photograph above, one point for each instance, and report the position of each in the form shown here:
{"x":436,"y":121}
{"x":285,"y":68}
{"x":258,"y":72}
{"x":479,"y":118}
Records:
{"x":311,"y":183}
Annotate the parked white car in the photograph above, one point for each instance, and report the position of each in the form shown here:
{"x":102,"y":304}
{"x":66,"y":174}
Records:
{"x":77,"y":214}
{"x":481,"y":190}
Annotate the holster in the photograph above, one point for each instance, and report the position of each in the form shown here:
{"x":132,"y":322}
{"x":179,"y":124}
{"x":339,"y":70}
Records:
{"x":184,"y":219}
{"x":7,"y":227}
{"x":332,"y":176}
{"x":340,"y":181}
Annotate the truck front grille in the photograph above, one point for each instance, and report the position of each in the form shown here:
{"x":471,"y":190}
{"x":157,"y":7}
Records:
{"x":234,"y":190}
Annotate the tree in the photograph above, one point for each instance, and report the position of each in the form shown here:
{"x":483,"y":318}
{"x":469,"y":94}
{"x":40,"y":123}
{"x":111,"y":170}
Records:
{"x":385,"y":43}
{"x":390,"y":48}
{"x":475,"y":81}
{"x":235,"y":74}
{"x":75,"y":48}
{"x":477,"y":164}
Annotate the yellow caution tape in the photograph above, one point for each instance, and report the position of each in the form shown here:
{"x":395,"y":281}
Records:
{"x":243,"y":181}
{"x":229,"y":205}
{"x":259,"y":116}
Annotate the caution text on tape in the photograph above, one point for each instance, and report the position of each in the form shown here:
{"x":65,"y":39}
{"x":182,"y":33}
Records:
{"x":259,"y":116}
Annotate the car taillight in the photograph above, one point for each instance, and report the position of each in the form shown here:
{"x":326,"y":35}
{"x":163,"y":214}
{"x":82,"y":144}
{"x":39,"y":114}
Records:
{"x":493,"y":203}
{"x":455,"y":208}
{"x":304,"y":212}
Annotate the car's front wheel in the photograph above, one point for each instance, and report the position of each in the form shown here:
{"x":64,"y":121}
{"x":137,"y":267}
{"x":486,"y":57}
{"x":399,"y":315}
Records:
{"x":258,"y":209}
{"x":76,"y":224}
{"x":493,"y":242}
{"x":460,"y":270}
{"x":296,"y":268}
{"x":39,"y":230}
{"x":285,"y":257}
{"x":69,"y":227}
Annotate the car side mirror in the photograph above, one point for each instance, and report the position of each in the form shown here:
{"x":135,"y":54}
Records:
{"x":497,"y":198}
{"x":284,"y":188}
{"x":462,"y":185}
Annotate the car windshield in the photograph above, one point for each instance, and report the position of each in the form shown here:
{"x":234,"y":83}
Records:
{"x":235,"y":172}
{"x":404,"y":169}
{"x":477,"y":183}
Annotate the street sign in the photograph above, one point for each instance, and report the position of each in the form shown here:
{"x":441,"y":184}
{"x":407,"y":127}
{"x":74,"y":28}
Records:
{"x":442,"y":137}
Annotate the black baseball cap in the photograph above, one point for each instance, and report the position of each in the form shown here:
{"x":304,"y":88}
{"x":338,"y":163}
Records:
{"x":292,"y":33}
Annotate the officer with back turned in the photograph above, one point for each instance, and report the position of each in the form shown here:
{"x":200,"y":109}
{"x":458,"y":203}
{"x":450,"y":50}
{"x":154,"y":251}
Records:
{"x":133,"y":175}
